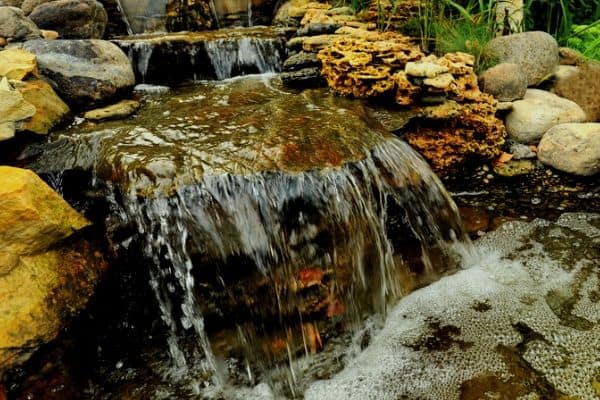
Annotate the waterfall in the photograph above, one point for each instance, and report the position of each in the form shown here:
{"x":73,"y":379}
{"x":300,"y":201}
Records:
{"x":228,"y":56}
{"x":265,"y":213}
{"x":139,"y":55}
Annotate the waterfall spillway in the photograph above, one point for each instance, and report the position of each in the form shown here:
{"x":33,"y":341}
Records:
{"x":267,"y":211}
{"x":175,"y":57}
{"x":228,"y":56}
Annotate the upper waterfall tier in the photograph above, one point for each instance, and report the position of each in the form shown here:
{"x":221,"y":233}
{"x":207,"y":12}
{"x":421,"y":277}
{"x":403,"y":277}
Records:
{"x":175,"y":57}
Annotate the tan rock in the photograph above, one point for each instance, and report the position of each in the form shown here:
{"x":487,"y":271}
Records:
{"x":424,"y":69}
{"x":581,"y":85}
{"x":49,"y":35}
{"x":3,"y":42}
{"x":13,"y":109}
{"x":50,"y":109}
{"x":121,"y":109}
{"x":442,"y":81}
{"x":7,"y":130}
{"x":17,"y":63}
{"x":32,"y":215}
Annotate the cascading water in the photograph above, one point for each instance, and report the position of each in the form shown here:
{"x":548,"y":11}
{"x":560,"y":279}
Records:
{"x":227,"y":56}
{"x":217,"y":54}
{"x":140,"y":54}
{"x":263,"y":212}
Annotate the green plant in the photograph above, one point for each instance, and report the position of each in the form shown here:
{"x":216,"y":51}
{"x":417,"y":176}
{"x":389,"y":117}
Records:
{"x":586,"y":39}
{"x":558,"y":17}
{"x":450,"y":26}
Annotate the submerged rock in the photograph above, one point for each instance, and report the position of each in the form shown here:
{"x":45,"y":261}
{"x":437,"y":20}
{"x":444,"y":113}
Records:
{"x":573,"y":148}
{"x":257,"y":195}
{"x":119,"y":110}
{"x":83,"y":72}
{"x":520,"y":321}
{"x":42,"y":280}
{"x":72,"y":19}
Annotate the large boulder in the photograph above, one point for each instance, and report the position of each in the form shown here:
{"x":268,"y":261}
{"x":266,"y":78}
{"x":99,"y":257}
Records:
{"x":72,"y":19}
{"x":83,"y":72}
{"x":15,"y":26}
{"x":535,"y":52}
{"x":505,"y":81}
{"x":43,"y":280}
{"x":539,"y":111}
{"x":581,"y":85}
{"x":573,"y":148}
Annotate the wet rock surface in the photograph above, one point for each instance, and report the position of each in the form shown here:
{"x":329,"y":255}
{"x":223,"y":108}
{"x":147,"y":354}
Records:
{"x":176,"y":57}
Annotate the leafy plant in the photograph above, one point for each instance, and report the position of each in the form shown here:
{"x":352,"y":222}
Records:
{"x":558,"y":17}
{"x":450,"y":26}
{"x":586,"y":39}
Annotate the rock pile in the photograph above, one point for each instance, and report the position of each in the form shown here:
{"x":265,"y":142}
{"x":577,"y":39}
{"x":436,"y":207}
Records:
{"x":455,"y":122}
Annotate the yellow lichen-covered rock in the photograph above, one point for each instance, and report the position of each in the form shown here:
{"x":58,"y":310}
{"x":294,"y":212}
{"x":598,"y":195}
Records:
{"x":32,"y":215}
{"x":362,"y":63}
{"x":39,"y":293}
{"x":453,"y":133}
{"x":17,"y":63}
{"x":49,"y":108}
{"x":43,"y":279}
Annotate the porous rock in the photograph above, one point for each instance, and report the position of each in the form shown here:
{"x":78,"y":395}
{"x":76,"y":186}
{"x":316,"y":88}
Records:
{"x":572,"y":147}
